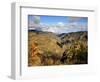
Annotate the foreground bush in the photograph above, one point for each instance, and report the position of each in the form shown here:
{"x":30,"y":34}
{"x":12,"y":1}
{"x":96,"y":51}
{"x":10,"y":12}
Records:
{"x":75,"y":53}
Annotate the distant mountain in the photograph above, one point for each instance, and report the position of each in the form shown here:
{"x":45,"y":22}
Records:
{"x":74,"y":36}
{"x":79,"y":33}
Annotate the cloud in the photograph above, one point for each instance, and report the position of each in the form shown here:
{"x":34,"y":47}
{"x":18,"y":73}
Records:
{"x":60,"y":24}
{"x":74,"y":19}
{"x":83,"y":27}
{"x":52,"y":28}
{"x":36,"y":19}
{"x":55,"y":29}
{"x":60,"y":27}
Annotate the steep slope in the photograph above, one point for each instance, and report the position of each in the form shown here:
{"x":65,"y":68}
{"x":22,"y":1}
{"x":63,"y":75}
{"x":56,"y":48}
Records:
{"x":47,"y":48}
{"x":75,"y":48}
{"x":46,"y":44}
{"x":74,"y":36}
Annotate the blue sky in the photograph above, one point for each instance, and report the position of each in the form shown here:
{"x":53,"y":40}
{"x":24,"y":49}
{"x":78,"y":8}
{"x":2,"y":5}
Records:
{"x":53,"y":19}
{"x":65,"y":22}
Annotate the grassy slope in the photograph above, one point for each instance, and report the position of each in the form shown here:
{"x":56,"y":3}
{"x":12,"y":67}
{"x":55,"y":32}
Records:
{"x":46,"y":48}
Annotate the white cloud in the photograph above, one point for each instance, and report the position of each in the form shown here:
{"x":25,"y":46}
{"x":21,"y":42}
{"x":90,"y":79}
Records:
{"x":73,"y":19}
{"x":36,"y":19}
{"x":52,"y":29}
{"x":60,"y":27}
{"x":34,"y":22}
{"x":60,"y":24}
{"x":70,"y":27}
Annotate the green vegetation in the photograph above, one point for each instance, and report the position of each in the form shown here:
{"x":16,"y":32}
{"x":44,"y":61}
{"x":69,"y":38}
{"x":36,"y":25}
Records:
{"x":75,"y":53}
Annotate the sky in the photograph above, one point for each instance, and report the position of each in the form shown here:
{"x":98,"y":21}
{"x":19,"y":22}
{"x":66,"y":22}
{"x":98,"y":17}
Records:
{"x":57,"y":24}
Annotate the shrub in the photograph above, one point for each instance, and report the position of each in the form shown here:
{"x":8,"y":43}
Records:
{"x":76,"y":52}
